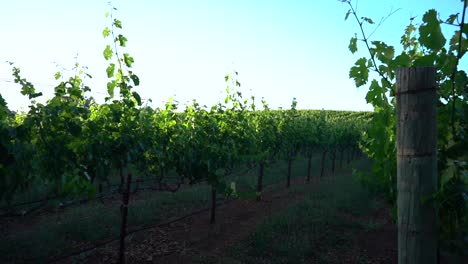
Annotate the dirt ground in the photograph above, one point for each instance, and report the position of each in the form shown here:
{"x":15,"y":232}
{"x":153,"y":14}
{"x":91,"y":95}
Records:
{"x":184,"y":241}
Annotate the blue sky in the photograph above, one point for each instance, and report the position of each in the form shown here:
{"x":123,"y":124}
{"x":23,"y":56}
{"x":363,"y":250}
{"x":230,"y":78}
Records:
{"x":184,"y":48}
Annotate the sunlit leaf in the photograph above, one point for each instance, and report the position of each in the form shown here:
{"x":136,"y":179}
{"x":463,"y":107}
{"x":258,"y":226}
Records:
{"x":110,"y":88}
{"x":122,"y":40}
{"x":108,"y":52}
{"x":137,"y":97}
{"x":118,"y":23}
{"x":128,"y":60}
{"x":106,"y":32}
{"x":110,"y":70}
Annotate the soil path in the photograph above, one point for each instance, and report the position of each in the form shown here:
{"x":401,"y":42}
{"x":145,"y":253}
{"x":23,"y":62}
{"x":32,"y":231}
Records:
{"x":195,"y":240}
{"x":184,"y":241}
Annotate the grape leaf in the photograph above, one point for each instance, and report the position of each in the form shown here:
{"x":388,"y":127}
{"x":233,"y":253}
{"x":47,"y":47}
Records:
{"x":118,"y":23}
{"x":106,"y":32}
{"x":374,"y":96}
{"x":110,"y":88}
{"x":122,"y":40}
{"x":347,"y":14}
{"x":353,"y":45}
{"x":451,"y":19}
{"x":135,"y":79}
{"x":137,"y":97}
{"x":382,"y":51}
{"x":430,"y":33}
{"x":426,"y":60}
{"x":108,"y":52}
{"x":368,"y":20}
{"x":402,"y":60}
{"x":110,"y":70}
{"x":359,"y":72}
{"x":128,"y":60}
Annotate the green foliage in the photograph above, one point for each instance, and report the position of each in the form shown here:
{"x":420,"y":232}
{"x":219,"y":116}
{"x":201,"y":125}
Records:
{"x":353,"y":45}
{"x":422,"y":45}
{"x":360,"y":72}
{"x":108,"y":52}
{"x":430,"y":33}
{"x":70,"y":144}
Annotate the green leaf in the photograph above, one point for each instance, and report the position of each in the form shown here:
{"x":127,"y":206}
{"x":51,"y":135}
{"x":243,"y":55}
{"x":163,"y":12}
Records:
{"x":347,"y":14}
{"x":359,"y":72}
{"x":118,"y":23}
{"x":106,"y":32}
{"x":107,"y":14}
{"x":122,"y":40}
{"x":353,"y":45}
{"x":368,"y":20}
{"x":57,"y":75}
{"x":110,"y":88}
{"x":382,"y":51}
{"x":135,"y":79}
{"x":226,"y":78}
{"x":446,"y":62}
{"x":402,"y":60}
{"x":108,"y":52}
{"x":128,"y":60}
{"x":451,"y":19}
{"x":455,"y":43}
{"x":137,"y":97}
{"x":110,"y":70}
{"x":426,"y":60}
{"x":430,"y":33}
{"x":375,"y":94}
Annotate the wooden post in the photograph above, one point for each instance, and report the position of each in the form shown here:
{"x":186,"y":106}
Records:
{"x":213,"y":205}
{"x":333,"y":162}
{"x":288,"y":183}
{"x":260,"y":180}
{"x":124,"y":212}
{"x":416,"y":164}
{"x":324,"y":152}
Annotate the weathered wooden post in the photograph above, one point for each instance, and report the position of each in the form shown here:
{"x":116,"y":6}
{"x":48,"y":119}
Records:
{"x":416,"y":164}
{"x":124,"y":213}
{"x":260,"y":180}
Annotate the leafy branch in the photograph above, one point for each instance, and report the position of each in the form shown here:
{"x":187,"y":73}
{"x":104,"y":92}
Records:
{"x":459,"y":55}
{"x":365,"y":38}
{"x":121,"y":80}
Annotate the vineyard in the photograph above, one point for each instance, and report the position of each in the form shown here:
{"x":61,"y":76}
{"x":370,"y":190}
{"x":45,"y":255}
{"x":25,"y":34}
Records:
{"x":74,"y":162}
{"x":73,"y":151}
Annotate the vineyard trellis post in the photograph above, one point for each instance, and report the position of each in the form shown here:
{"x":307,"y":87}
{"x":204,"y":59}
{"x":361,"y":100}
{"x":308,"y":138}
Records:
{"x":416,"y":164}
{"x":260,"y":180}
{"x":124,"y":213}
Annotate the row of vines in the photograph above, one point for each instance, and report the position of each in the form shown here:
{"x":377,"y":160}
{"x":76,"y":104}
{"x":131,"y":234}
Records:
{"x":71,"y":145}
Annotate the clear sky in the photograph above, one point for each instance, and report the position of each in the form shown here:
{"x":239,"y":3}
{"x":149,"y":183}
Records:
{"x":184,"y":48}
